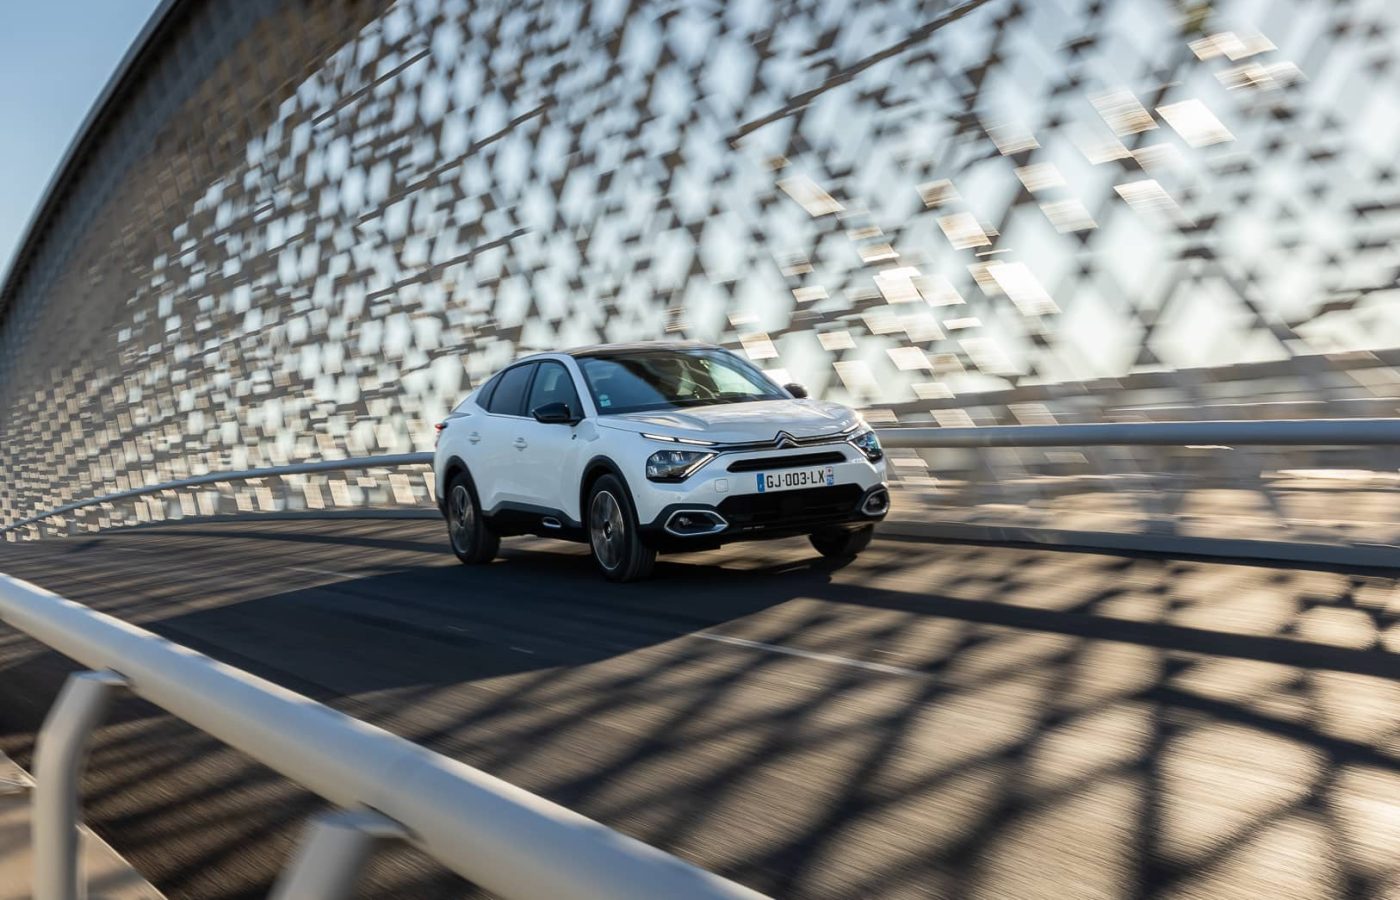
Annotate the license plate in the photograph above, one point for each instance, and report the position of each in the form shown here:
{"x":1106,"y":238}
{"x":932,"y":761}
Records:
{"x":792,"y":479}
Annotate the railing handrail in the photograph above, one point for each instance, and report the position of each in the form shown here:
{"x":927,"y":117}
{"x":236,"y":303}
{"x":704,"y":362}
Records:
{"x":388,"y":460}
{"x":490,"y":832}
{"x":1241,"y":432}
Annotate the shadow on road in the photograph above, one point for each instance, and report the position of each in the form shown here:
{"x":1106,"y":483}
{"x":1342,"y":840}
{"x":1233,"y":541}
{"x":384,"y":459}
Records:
{"x":972,"y":722}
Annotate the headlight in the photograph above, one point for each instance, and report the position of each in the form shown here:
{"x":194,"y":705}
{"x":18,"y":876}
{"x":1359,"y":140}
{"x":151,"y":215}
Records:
{"x":866,"y":442}
{"x":675,"y":465}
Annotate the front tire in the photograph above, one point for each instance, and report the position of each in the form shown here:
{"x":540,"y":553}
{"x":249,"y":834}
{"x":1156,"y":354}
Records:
{"x":472,"y":539}
{"x":842,"y":543}
{"x":613,"y":533}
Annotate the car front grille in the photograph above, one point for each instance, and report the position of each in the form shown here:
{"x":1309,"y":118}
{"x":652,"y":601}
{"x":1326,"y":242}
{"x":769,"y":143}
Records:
{"x":789,"y":508}
{"x":790,"y":440}
{"x":787,"y":462}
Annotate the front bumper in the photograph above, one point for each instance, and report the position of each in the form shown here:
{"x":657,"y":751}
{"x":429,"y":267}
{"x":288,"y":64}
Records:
{"x":747,"y":517}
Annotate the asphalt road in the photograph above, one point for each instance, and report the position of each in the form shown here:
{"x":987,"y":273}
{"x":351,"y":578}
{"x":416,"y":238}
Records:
{"x":934,"y":720}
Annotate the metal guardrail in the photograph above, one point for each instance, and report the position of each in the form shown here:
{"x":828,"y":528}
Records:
{"x":325,"y":465}
{"x":498,"y":836}
{"x":1262,"y":432}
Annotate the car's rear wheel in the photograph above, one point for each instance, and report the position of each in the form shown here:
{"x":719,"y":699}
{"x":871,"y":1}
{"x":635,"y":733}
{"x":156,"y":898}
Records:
{"x":613,"y":533}
{"x":842,"y":543}
{"x":473,"y":539}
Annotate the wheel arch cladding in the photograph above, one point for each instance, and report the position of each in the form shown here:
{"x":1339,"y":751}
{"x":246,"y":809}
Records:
{"x":455,"y":466}
{"x":596,"y":468}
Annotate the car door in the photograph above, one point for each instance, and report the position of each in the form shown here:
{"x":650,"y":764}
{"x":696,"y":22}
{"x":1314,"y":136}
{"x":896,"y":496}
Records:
{"x":498,"y":440}
{"x":549,"y":460}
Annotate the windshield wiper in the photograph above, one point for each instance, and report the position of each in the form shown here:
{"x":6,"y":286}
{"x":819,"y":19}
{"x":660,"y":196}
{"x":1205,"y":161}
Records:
{"x":714,"y":401}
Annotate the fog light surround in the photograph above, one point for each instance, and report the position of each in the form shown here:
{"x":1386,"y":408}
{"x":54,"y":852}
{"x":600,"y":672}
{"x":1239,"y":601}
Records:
{"x":877,"y":503}
{"x":695,"y":523}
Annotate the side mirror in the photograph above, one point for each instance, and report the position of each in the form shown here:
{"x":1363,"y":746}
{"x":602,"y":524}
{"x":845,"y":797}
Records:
{"x":554,"y":414}
{"x":796,"y":390}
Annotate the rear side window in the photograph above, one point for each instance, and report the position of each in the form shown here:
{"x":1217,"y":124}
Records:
{"x":508,"y":399}
{"x":484,"y":396}
{"x":553,"y":384}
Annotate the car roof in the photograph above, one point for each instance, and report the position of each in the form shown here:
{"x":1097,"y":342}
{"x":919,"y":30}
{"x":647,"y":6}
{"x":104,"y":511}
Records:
{"x":639,"y":347}
{"x":596,"y":351}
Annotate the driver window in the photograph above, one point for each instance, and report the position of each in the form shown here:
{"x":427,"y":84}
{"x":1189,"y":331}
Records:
{"x":553,"y":384}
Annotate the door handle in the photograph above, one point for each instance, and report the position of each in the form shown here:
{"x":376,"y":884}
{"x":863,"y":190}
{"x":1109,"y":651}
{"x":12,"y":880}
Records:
{"x":474,"y":437}
{"x":520,"y":443}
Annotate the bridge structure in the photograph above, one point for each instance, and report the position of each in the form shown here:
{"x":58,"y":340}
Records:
{"x":290,"y":235}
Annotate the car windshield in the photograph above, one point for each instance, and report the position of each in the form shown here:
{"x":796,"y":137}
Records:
{"x":644,"y":380}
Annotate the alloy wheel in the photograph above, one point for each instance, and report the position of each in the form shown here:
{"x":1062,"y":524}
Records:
{"x":463,"y":516}
{"x":607,"y":529}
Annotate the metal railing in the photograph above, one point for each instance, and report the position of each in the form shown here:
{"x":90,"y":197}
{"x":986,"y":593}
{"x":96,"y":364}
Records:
{"x":325,"y":465}
{"x":1264,"y":432}
{"x":498,"y":836}
{"x":1261,"y":432}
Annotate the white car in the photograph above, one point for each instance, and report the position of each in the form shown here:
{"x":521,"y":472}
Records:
{"x":644,"y":448}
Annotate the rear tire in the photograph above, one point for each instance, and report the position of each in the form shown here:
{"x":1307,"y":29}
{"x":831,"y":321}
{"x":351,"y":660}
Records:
{"x":472,"y":539}
{"x":613,"y":533}
{"x":842,"y":543}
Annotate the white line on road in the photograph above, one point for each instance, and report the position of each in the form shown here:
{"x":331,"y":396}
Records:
{"x":317,"y":571}
{"x":810,"y":654}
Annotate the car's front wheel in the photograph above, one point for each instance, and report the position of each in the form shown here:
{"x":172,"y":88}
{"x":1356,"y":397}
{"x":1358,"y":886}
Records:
{"x":842,"y":543}
{"x":473,"y":539}
{"x":613,"y":533}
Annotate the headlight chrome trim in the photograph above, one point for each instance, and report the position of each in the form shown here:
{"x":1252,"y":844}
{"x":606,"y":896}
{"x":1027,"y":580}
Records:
{"x":868,"y":443}
{"x":668,"y":439}
{"x":674,"y":466}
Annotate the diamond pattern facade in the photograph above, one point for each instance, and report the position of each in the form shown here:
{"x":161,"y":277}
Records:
{"x":302,"y":230}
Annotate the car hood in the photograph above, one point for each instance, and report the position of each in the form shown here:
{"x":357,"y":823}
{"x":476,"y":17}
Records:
{"x":740,"y":423}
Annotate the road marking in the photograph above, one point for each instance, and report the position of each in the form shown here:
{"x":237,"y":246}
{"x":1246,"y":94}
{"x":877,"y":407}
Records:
{"x":522,"y":650}
{"x":810,"y":654}
{"x":318,"y":571}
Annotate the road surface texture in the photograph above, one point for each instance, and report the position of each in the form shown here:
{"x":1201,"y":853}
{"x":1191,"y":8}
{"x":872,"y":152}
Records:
{"x":933,"y":720}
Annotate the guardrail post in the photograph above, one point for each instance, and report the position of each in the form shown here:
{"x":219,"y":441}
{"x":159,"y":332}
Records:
{"x":58,"y":764}
{"x":332,"y":852}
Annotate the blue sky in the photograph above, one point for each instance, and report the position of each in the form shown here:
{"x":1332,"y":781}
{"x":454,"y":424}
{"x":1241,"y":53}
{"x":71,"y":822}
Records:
{"x":55,"y":58}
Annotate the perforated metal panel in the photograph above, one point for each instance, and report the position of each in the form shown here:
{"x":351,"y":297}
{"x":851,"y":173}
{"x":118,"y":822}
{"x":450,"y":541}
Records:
{"x":305,"y":229}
